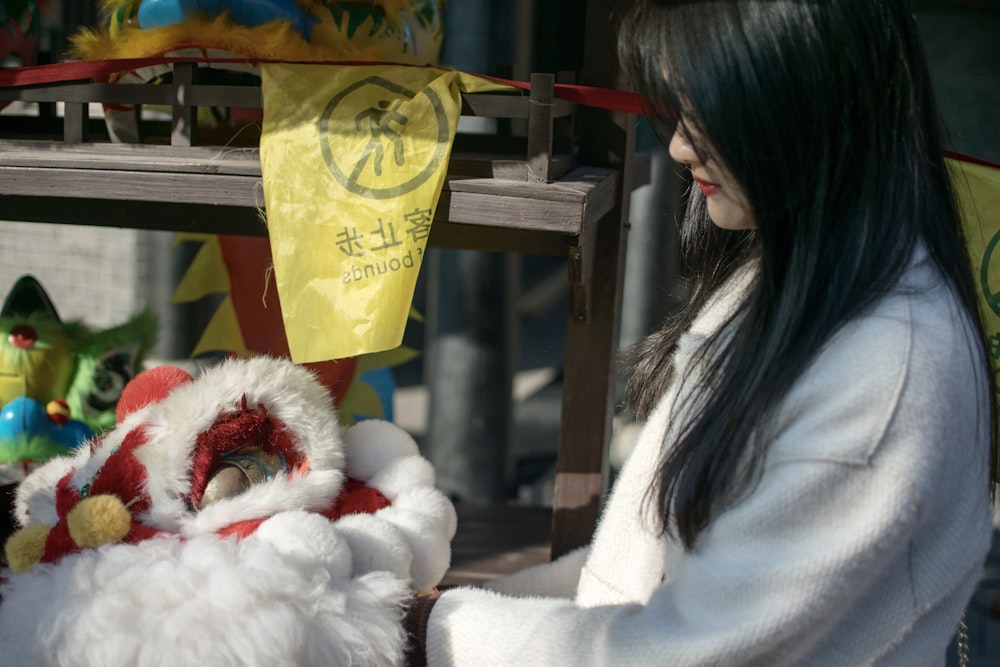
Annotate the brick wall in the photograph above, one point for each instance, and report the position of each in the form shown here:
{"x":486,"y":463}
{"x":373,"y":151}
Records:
{"x":99,"y":275}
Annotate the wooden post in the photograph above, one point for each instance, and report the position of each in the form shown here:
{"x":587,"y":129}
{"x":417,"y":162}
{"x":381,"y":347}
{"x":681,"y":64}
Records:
{"x":76,"y":123}
{"x":540,"y":126}
{"x":184,"y":125}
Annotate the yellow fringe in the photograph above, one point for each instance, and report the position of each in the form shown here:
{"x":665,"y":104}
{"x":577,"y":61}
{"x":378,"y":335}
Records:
{"x":276,"y":40}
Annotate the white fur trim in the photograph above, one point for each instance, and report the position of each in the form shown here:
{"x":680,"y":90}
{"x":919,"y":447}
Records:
{"x":428,"y":521}
{"x":313,"y":491}
{"x":35,"y":500}
{"x":372,"y":444}
{"x":402,"y":475}
{"x":307,"y":536}
{"x":376,"y":544}
{"x":204,"y":601}
{"x":387,"y":458}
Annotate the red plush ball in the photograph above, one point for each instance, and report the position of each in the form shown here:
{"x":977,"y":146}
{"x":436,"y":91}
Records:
{"x":148,"y":387}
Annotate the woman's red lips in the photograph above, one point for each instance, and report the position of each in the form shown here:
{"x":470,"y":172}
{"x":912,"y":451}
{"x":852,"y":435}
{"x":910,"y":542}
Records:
{"x":707,"y":187}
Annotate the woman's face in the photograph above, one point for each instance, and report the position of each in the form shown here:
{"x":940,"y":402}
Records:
{"x":727,"y":204}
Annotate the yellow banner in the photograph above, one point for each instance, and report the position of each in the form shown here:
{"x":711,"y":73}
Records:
{"x":978,"y":190}
{"x":353,"y":159}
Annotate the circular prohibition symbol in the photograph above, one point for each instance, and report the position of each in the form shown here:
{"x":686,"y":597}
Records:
{"x":381,"y":124}
{"x":992,"y":297}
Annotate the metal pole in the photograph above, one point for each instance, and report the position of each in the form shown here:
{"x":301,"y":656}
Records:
{"x":469,"y":350}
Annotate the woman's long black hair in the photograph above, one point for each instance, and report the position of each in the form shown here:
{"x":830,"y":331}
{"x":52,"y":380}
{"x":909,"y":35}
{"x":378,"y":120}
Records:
{"x":823,"y":111}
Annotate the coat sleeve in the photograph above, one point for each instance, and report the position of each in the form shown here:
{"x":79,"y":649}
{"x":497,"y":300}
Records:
{"x":798,"y":568}
{"x":557,"y":579}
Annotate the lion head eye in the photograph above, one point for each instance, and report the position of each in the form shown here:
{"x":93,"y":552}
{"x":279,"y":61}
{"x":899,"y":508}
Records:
{"x":238,"y":471}
{"x":226,"y":481}
{"x":111,"y":375}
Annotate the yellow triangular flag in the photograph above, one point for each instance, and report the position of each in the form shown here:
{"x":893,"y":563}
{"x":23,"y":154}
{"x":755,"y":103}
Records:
{"x":223,"y":333}
{"x":387,"y":359}
{"x":361,"y":399}
{"x":353,"y":160}
{"x":978,"y":189}
{"x":206,"y":275}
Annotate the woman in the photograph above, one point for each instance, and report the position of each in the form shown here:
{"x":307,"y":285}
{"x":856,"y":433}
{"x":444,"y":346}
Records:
{"x":811,"y":486}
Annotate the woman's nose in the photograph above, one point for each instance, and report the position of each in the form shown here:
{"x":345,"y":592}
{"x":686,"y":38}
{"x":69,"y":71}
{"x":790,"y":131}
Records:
{"x":680,"y":148}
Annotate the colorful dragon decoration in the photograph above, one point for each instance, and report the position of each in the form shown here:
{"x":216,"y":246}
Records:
{"x":394,"y":30}
{"x":20,"y":28}
{"x":228,"y":519}
{"x":59,"y":380}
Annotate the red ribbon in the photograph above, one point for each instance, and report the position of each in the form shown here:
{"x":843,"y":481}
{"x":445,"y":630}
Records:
{"x":85,"y":70}
{"x":962,"y":157}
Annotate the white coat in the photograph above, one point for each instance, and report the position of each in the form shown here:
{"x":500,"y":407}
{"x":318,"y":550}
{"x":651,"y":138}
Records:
{"x":861,"y":543}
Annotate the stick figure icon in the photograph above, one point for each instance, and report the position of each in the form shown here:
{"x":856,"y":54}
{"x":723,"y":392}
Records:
{"x":385,"y":123}
{"x":380,"y":119}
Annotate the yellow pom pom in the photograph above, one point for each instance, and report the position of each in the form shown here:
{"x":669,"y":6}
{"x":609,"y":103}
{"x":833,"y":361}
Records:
{"x":58,"y":410}
{"x":98,"y":520}
{"x":25,"y":547}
